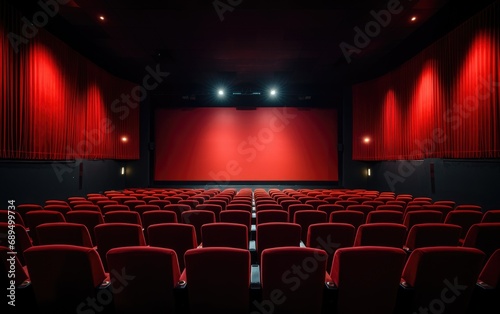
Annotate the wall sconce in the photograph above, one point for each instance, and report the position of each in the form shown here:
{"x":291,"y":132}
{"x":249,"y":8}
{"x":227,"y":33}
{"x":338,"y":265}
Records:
{"x":123,"y":171}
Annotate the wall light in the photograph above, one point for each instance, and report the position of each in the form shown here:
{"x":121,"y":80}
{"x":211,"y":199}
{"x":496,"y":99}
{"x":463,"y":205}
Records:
{"x":123,"y":171}
{"x":368,"y":172}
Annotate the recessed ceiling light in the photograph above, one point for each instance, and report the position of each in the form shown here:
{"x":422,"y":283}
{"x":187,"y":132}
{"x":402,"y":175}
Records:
{"x":413,"y":18}
{"x":102,"y":18}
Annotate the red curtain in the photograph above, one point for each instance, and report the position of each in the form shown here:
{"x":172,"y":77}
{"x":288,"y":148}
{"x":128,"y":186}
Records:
{"x":58,"y":105}
{"x":442,"y":103}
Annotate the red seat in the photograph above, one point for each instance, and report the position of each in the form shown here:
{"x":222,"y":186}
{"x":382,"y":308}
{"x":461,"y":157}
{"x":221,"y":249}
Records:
{"x":240,"y":206}
{"x":38,"y":217}
{"x":24,"y":208}
{"x":177,"y":236}
{"x":88,"y":218}
{"x":422,"y":216}
{"x":432,"y":234}
{"x":276,"y":234}
{"x":237,"y":216}
{"x":491,"y":216}
{"x":469,"y":207}
{"x":124,"y":216}
{"x":485,"y":299}
{"x":15,"y":216}
{"x":224,"y":234}
{"x":269,"y":215}
{"x":381,"y":234}
{"x":361,"y":208}
{"x":111,"y":235}
{"x":218,"y":280}
{"x":367,"y":279}
{"x":155,"y":274}
{"x":64,"y":276}
{"x":305,"y":218}
{"x":64,"y":233}
{"x":198,"y":218}
{"x":464,"y":219}
{"x":352,"y":217}
{"x":146,"y":208}
{"x":484,"y":236}
{"x":178,"y":209}
{"x":292,"y":209}
{"x":22,"y":239}
{"x":63,"y":209}
{"x":392,"y":216}
{"x":330,"y":237}
{"x":441,"y":277}
{"x":216,"y":209}
{"x":277,"y":266}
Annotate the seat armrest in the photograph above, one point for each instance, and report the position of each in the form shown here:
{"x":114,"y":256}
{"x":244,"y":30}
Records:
{"x":329,"y":284}
{"x":182,"y":282}
{"x":255,"y":277}
{"x":403,"y":284}
{"x":484,"y":286}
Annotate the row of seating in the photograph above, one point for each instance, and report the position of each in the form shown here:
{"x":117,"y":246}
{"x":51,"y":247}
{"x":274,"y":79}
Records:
{"x":181,"y":236}
{"x":371,"y":279}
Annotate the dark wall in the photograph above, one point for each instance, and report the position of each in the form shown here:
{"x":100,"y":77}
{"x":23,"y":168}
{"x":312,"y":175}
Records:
{"x":35,"y":182}
{"x":464,"y":181}
{"x":352,"y":173}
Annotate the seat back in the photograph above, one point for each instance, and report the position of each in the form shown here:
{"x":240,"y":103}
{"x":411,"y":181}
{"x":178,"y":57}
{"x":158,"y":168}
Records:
{"x":298,"y":294}
{"x":198,"y":218}
{"x":352,"y":217}
{"x":464,"y":219}
{"x":422,"y":216}
{"x":155,"y":272}
{"x":484,"y":236}
{"x":305,"y":218}
{"x":64,"y":277}
{"x":377,"y":216}
{"x":330,"y":236}
{"x":177,"y":236}
{"x":124,"y":216}
{"x":216,"y":209}
{"x":64,"y":233}
{"x":492,"y":215}
{"x":115,"y":234}
{"x":88,"y":218}
{"x":367,"y":278}
{"x":292,"y":209}
{"x":38,"y":217}
{"x":276,"y":234}
{"x":381,"y":234}
{"x":218,"y":280}
{"x":433,"y":234}
{"x":243,"y":217}
{"x":442,"y":277}
{"x":265,"y":216}
{"x":225,"y":234}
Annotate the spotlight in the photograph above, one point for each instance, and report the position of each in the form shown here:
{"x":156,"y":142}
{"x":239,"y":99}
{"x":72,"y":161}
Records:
{"x":124,"y":139}
{"x":413,"y":18}
{"x":273,"y":92}
{"x":366,"y":140}
{"x":220,"y":92}
{"x":102,"y":18}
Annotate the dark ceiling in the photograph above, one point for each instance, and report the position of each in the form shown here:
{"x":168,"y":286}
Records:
{"x":295,"y":45}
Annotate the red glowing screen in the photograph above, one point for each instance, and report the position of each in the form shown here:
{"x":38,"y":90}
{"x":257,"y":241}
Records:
{"x":265,"y":144}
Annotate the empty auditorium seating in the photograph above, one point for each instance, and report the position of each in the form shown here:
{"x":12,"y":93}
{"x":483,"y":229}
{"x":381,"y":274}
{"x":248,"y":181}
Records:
{"x":293,"y":208}
{"x":155,"y":272}
{"x":239,"y":206}
{"x":178,"y":209}
{"x":329,"y":208}
{"x":361,"y":208}
{"x":64,"y":277}
{"x":88,"y":206}
{"x":63,"y":209}
{"x":441,"y":278}
{"x":63,"y":233}
{"x":297,"y":294}
{"x":216,"y":209}
{"x":366,"y":279}
{"x":218,"y":280}
{"x":149,"y":218}
{"x":177,"y":236}
{"x":111,"y":235}
{"x":381,"y":234}
{"x":24,"y":208}
{"x":399,"y":208}
{"x":469,"y":207}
